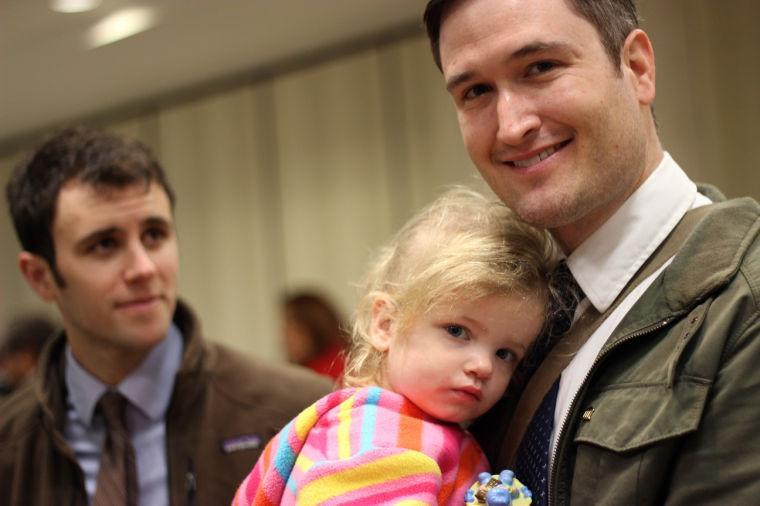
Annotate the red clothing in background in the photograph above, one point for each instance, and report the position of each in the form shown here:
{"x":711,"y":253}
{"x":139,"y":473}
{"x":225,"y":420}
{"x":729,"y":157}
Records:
{"x":330,"y":362}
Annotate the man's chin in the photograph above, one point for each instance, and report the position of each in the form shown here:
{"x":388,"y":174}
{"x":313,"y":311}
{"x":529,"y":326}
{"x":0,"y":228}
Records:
{"x":542,"y":216}
{"x":145,"y":337}
{"x":544,"y":207}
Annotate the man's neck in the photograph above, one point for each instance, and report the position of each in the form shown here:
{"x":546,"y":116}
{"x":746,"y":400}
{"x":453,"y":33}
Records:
{"x":572,"y":235}
{"x":108,"y":364}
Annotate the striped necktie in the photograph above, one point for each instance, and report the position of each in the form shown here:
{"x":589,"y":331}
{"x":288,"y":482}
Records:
{"x":117,"y":477}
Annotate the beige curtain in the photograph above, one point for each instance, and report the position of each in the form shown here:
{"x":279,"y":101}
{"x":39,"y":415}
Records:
{"x":708,"y":88}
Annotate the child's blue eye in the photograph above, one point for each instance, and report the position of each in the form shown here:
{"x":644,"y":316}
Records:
{"x":504,"y":354}
{"x":456,"y":331}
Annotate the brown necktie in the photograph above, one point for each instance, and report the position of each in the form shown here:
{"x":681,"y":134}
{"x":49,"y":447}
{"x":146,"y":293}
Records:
{"x":117,"y":478}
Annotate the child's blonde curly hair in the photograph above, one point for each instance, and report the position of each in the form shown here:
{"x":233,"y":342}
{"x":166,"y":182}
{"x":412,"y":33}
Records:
{"x":463,"y":246}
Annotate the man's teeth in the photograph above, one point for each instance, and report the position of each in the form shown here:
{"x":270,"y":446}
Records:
{"x":543,"y":155}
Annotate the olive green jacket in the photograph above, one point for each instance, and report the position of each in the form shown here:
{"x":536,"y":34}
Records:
{"x":670,"y":411}
{"x":218,"y":397}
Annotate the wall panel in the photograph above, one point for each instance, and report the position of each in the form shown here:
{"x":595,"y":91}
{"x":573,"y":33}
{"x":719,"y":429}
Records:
{"x":219,"y":155}
{"x":335,"y":194}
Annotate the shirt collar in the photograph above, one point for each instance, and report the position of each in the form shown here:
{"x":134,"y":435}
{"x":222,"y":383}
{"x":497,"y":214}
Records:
{"x":605,"y":262}
{"x":149,"y":387}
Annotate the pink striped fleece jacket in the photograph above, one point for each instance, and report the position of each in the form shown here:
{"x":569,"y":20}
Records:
{"x":364,"y":446}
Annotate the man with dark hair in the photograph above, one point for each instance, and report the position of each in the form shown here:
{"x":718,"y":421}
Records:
{"x":652,"y":397}
{"x":130,"y":405}
{"x":20,"y":349}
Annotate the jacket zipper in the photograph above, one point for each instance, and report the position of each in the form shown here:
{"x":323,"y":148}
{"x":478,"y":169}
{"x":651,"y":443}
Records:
{"x":191,"y":484}
{"x":554,"y":462}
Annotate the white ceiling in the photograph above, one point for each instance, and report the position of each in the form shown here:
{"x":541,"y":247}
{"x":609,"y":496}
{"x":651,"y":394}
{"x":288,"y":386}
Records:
{"x":48,"y":76}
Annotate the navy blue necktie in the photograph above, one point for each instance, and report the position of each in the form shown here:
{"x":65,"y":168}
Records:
{"x":532,"y":463}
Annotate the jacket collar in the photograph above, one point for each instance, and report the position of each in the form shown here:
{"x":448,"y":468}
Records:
{"x":696,"y":272}
{"x":731,"y":227}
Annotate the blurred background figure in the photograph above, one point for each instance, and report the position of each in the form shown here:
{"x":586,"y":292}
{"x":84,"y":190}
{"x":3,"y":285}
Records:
{"x":314,"y":333}
{"x":20,"y":347}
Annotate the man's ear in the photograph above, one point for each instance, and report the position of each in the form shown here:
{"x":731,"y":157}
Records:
{"x":383,"y":327}
{"x":38,"y":274}
{"x":637,"y":58}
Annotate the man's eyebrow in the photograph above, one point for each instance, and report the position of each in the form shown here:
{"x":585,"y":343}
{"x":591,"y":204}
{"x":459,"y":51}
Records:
{"x":524,"y":51}
{"x":538,"y":47}
{"x":158,"y":221}
{"x":458,"y":79}
{"x":96,"y":236}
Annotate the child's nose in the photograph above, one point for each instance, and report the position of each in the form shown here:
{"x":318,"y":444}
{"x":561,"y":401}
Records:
{"x":479,"y":365}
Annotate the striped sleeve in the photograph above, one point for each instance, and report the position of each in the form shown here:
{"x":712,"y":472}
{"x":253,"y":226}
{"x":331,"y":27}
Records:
{"x":380,"y":476}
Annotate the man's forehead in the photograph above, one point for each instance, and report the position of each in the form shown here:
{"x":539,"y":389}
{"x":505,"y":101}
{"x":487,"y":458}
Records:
{"x":515,"y":27}
{"x":467,"y":23}
{"x":83,"y":204}
{"x":80,"y":192}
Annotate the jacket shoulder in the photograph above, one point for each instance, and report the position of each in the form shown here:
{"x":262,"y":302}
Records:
{"x":725,"y":242}
{"x":240,"y":380}
{"x":20,"y":414}
{"x":253,"y":381}
{"x":21,"y":429}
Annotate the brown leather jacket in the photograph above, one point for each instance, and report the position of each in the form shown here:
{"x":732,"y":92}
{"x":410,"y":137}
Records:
{"x":218,"y":396}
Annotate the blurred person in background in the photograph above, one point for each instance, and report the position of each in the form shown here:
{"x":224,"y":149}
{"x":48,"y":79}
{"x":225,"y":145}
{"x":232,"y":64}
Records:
{"x":20,"y":349}
{"x":130,"y":404}
{"x":314,"y":333}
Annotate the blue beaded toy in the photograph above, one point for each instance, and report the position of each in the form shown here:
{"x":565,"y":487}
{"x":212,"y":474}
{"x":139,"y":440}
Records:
{"x":498,"y":490}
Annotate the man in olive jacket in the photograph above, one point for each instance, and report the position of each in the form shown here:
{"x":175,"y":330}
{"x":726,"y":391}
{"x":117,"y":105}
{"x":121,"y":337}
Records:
{"x":94,"y":214}
{"x":661,"y":403}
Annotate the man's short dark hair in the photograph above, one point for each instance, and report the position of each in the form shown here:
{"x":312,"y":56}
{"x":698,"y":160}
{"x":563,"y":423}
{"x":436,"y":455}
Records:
{"x":88,"y":155}
{"x":613,"y":20}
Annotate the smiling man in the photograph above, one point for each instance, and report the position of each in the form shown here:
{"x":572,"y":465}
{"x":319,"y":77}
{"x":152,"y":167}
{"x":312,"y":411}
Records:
{"x":94,"y":215}
{"x":659,"y":399}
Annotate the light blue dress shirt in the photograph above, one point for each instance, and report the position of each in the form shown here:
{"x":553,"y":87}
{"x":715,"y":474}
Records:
{"x":149,"y":390}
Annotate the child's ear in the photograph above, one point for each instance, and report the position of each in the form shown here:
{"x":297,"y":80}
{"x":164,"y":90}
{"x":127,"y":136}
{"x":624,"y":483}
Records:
{"x":382,"y":329}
